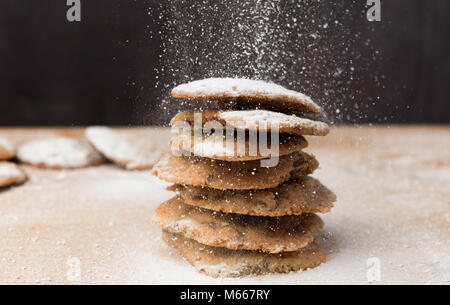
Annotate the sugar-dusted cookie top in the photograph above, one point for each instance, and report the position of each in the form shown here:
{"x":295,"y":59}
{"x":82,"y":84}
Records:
{"x":133,"y":153}
{"x":257,"y":91}
{"x":238,"y":232}
{"x":222,"y":262}
{"x":257,"y":120}
{"x":306,"y":195}
{"x":226,"y":175}
{"x":11,"y":174}
{"x":59,"y":153}
{"x":216,"y":146}
{"x":7,"y":150}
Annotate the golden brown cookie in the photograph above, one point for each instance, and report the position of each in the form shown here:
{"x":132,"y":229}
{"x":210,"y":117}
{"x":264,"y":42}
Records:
{"x":295,"y":197}
{"x":257,"y":120}
{"x":139,"y":153}
{"x":59,"y":153}
{"x":232,"y":175}
{"x":11,"y":174}
{"x":216,"y":147}
{"x":222,"y":262}
{"x":305,"y":165}
{"x":237,"y":232}
{"x":256,"y":91}
{"x":7,"y":150}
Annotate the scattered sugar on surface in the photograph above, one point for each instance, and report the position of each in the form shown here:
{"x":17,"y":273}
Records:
{"x":234,"y":87}
{"x":404,"y":224}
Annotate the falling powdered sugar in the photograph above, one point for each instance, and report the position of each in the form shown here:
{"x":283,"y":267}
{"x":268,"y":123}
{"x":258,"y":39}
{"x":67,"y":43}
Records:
{"x":308,"y":46}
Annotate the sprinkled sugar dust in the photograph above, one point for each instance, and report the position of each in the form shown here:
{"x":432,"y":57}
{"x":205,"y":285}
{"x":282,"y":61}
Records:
{"x":308,"y":46}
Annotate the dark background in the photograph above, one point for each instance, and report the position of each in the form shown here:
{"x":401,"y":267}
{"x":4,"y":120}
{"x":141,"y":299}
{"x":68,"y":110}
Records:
{"x":111,"y":68}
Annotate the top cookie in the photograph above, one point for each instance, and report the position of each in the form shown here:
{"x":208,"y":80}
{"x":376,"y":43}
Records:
{"x":256,"y":91}
{"x":7,"y":150}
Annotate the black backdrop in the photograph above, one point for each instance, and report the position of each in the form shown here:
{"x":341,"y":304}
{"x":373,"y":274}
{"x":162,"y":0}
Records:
{"x":104,"y":69}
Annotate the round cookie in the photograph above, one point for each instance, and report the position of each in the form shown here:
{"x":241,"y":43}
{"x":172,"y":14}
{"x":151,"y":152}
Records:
{"x":238,"y":232}
{"x":255,"y":91}
{"x":257,"y":120}
{"x":7,"y":150}
{"x":215,"y":147}
{"x":233,"y":175}
{"x":304,"y":166}
{"x":59,"y":153}
{"x":295,"y":197}
{"x":11,"y":174}
{"x":132,"y":155}
{"x":222,"y":262}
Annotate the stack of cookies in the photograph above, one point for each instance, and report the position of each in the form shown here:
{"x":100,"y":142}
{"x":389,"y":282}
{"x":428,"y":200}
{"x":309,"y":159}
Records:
{"x":245,"y":203}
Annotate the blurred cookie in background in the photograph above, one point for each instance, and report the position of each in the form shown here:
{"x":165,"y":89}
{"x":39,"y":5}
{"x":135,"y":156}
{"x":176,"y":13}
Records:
{"x":11,"y":174}
{"x":7,"y":149}
{"x":59,"y":153}
{"x":137,"y":150}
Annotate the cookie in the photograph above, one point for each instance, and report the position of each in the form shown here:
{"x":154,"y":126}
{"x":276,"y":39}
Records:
{"x":11,"y":174}
{"x":222,"y":262}
{"x":295,"y":197}
{"x":237,"y":232}
{"x":255,"y":91}
{"x":7,"y":150}
{"x":258,"y":120}
{"x":59,"y":153}
{"x":215,"y":147}
{"x":305,"y":165}
{"x":226,"y":175}
{"x":131,"y":154}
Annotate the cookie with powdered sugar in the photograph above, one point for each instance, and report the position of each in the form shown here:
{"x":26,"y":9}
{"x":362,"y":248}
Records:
{"x":237,"y":232}
{"x":257,"y":120}
{"x":257,"y":92}
{"x":295,"y":197}
{"x":59,"y":153}
{"x":222,"y":262}
{"x":11,"y":174}
{"x":216,"y":146}
{"x":7,"y":150}
{"x":139,"y":152}
{"x":225,"y":175}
